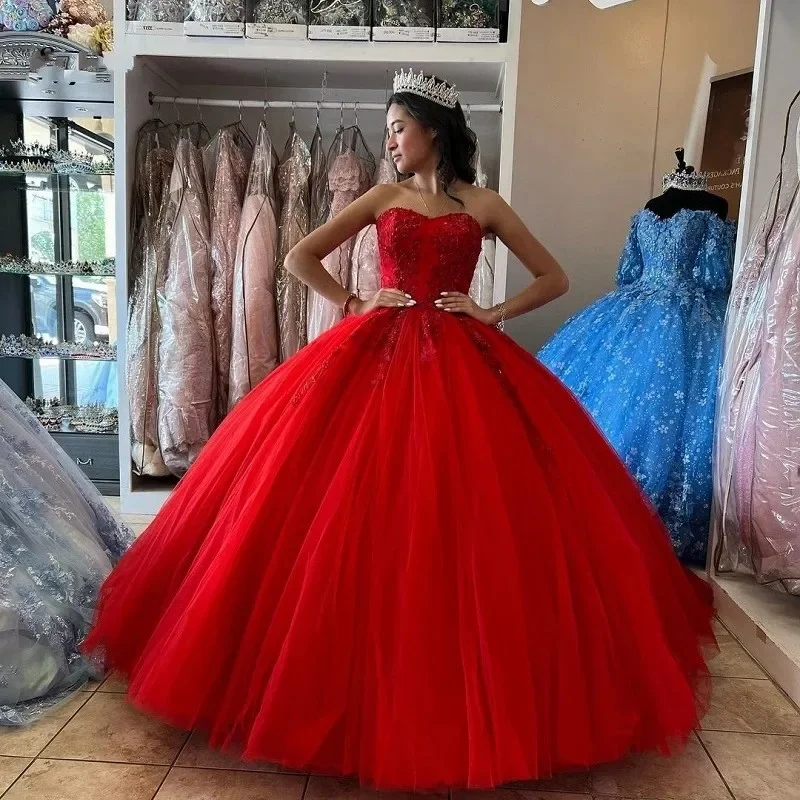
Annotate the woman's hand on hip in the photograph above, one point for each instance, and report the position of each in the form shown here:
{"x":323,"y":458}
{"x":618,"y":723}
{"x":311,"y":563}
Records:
{"x":383,"y":298}
{"x":457,"y":303}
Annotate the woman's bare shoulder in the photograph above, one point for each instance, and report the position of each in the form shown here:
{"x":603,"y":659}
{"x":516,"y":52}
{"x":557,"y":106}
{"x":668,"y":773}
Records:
{"x":478,"y":195}
{"x":389,"y":195}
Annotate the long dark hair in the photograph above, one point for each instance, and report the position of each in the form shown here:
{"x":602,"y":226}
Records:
{"x":455,"y":141}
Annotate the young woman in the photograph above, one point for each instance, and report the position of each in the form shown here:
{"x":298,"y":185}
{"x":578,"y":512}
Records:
{"x":409,"y":555}
{"x":58,"y":541}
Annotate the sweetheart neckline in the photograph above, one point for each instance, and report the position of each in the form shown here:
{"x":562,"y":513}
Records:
{"x":430,"y":219}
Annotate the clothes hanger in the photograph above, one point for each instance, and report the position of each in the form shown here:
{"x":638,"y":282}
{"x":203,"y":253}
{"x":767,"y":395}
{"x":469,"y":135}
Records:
{"x":239,"y":127}
{"x":356,"y":130}
{"x":322,"y":88}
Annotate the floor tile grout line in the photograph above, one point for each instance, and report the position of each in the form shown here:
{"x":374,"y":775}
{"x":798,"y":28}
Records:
{"x":749,"y":733}
{"x":14,"y":782}
{"x":783,"y":693}
{"x":773,"y":682}
{"x":714,"y":764}
{"x":154,"y":764}
{"x":101,"y":761}
{"x":619,"y":796}
{"x":71,"y":717}
{"x":171,"y":766}
{"x":601,"y":796}
{"x":767,"y":676}
{"x":305,"y":787}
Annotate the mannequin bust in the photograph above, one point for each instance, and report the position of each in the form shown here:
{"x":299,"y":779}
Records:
{"x":685,"y":189}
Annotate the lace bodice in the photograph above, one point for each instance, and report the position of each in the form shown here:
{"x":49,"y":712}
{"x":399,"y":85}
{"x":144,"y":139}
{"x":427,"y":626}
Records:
{"x":425,"y":256}
{"x":693,"y":249}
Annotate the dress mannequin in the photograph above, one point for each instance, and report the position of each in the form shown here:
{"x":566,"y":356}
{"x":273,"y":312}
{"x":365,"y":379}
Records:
{"x":685,"y":189}
{"x":644,"y":359}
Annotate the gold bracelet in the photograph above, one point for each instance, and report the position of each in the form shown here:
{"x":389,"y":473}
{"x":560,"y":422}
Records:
{"x":501,"y":323}
{"x":346,"y":304}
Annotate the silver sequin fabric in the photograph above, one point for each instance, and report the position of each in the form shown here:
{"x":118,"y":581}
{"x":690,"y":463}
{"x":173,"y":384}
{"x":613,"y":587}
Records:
{"x":58,"y":542}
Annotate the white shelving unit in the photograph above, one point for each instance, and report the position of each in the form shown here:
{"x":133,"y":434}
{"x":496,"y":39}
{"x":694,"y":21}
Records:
{"x":292,"y":70}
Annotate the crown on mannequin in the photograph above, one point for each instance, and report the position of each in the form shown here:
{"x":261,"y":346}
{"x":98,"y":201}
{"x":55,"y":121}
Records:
{"x":692,"y":181}
{"x":684,"y":176}
{"x":430,"y":88}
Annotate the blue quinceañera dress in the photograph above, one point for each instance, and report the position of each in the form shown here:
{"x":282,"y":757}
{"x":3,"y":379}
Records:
{"x":644,"y":361}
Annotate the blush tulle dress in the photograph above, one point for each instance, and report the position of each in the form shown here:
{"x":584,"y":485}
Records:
{"x":408,"y":555}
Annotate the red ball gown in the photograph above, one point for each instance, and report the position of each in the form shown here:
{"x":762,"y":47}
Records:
{"x":408,"y":555}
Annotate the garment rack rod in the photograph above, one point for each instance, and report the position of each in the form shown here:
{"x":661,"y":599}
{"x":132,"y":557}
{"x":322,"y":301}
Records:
{"x":299,"y":104}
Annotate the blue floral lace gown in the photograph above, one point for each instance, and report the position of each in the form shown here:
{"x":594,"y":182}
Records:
{"x":644,"y":361}
{"x":58,"y":541}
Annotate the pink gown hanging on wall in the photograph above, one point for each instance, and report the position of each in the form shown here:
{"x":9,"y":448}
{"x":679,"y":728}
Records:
{"x":756,"y":518}
{"x":348,"y":179}
{"x":365,"y":267}
{"x":186,"y":349}
{"x":776,"y":461}
{"x":318,"y":182}
{"x":293,"y":174}
{"x":254,"y":346}
{"x":733,"y":465}
{"x":481,"y":289}
{"x":230,"y":160}
{"x":149,"y":255}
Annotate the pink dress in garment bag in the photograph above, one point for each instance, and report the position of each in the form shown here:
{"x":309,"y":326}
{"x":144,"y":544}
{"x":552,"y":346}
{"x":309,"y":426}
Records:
{"x":186,"y":350}
{"x":349,"y":178}
{"x":226,"y":196}
{"x":254,"y":347}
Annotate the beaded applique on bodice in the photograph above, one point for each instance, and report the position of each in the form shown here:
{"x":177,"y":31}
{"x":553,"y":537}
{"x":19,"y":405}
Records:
{"x":425,"y":256}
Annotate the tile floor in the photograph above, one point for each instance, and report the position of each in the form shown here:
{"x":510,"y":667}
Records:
{"x":96,"y":747}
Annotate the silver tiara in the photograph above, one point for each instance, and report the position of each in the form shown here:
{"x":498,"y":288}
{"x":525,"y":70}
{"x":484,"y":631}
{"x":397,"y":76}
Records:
{"x":439,"y":92}
{"x":691,"y":181}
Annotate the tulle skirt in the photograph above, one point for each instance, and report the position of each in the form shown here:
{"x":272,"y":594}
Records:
{"x":408,"y":555}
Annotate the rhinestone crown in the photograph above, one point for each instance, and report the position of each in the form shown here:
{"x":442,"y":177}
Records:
{"x":691,"y":181}
{"x":430,"y":88}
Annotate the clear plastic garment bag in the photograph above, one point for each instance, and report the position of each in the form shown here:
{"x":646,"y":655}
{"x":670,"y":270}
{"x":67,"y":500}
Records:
{"x":351,"y":166}
{"x":147,"y":268}
{"x":254,"y":346}
{"x":756,"y":518}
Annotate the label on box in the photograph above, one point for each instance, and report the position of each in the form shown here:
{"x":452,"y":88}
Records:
{"x":272,"y":30}
{"x":352,"y":32}
{"x":156,"y":28}
{"x":233,"y":29}
{"x":392,"y":33}
{"x":468,"y":35}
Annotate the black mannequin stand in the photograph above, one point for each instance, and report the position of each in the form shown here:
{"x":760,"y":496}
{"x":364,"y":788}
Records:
{"x":674,"y":200}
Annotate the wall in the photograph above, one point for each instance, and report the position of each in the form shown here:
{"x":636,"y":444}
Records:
{"x":598,"y":120}
{"x":781,"y":83}
{"x":724,"y":31}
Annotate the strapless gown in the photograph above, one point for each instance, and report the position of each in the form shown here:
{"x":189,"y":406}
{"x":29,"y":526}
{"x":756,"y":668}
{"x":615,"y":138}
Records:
{"x":408,"y":555}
